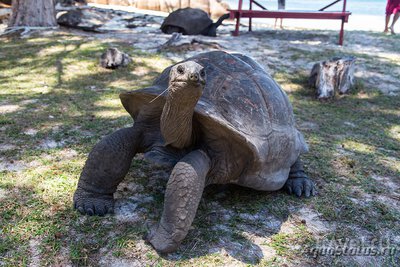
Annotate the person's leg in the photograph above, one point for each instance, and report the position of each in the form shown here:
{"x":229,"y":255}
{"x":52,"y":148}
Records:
{"x":387,"y":23}
{"x":395,"y":18}
{"x":281,"y":6}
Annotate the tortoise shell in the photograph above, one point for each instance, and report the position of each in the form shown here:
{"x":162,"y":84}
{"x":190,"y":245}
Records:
{"x":192,"y":21}
{"x":242,"y":111}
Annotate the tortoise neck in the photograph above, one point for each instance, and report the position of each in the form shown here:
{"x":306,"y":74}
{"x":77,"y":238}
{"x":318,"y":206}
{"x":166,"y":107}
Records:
{"x":177,"y":121}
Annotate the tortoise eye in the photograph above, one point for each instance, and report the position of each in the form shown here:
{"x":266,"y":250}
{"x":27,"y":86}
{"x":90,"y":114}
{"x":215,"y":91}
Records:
{"x":180,"y":70}
{"x":202,"y":73}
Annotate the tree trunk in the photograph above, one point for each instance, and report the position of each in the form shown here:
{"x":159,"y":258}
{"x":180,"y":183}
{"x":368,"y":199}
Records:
{"x":33,"y":13}
{"x":7,"y":2}
{"x":335,"y":76}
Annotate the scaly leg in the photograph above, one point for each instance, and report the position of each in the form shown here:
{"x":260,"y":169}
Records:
{"x":106,"y":166}
{"x":298,"y":182}
{"x":182,"y":197}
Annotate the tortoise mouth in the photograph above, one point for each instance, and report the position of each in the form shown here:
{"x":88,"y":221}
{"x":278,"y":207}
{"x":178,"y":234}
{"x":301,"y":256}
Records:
{"x":185,"y":83}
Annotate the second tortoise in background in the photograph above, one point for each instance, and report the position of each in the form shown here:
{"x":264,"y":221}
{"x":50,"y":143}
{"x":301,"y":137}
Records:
{"x":191,"y":21}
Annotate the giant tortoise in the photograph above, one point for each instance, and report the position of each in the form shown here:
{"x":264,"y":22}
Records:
{"x":191,"y":21}
{"x":216,"y":118}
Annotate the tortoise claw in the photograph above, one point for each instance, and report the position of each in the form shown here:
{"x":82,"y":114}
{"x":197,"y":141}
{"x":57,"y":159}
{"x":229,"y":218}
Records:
{"x":92,"y":203}
{"x":300,"y":187}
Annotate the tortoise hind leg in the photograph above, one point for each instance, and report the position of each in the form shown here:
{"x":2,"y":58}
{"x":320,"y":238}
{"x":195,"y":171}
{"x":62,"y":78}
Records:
{"x":182,"y":197}
{"x":106,"y":166}
{"x":298,"y":182}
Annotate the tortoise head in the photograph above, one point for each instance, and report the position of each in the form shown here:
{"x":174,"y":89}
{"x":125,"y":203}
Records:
{"x":187,"y":80}
{"x":186,"y":84}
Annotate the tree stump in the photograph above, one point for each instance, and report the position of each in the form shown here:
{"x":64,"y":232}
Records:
{"x":33,"y":13}
{"x":331,"y":77}
{"x":113,"y":59}
{"x":6,"y":2}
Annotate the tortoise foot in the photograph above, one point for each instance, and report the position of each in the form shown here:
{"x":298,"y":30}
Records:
{"x":161,"y":240}
{"x":300,"y":187}
{"x":93,"y":203}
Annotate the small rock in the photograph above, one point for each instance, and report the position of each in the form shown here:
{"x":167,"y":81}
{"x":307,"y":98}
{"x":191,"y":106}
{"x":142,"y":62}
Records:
{"x":113,"y":59}
{"x":85,"y":19}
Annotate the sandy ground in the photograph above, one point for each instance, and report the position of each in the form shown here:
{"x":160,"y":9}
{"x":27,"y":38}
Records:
{"x":267,"y":45}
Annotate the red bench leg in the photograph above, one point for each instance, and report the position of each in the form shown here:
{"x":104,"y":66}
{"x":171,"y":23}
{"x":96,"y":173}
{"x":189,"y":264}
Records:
{"x":250,"y":19}
{"x":341,"y":33}
{"x":236,"y":32}
{"x":237,"y":16}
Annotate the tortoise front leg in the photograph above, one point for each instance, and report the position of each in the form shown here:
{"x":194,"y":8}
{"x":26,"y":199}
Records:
{"x":106,"y":166}
{"x":298,"y":182}
{"x":184,"y":189}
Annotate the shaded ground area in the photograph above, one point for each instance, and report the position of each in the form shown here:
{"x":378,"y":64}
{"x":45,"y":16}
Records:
{"x":56,"y":103}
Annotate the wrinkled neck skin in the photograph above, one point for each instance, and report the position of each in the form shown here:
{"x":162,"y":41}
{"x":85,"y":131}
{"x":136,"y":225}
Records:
{"x":177,"y":116}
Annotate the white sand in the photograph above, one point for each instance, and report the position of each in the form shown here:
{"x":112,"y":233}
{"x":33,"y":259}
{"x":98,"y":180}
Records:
{"x":356,"y":22}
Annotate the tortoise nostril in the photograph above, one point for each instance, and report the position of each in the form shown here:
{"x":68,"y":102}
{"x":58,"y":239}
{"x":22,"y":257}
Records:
{"x":194,"y":77}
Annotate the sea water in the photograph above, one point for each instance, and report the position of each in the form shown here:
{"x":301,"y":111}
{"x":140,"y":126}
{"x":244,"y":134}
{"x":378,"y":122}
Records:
{"x":357,"y":7}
